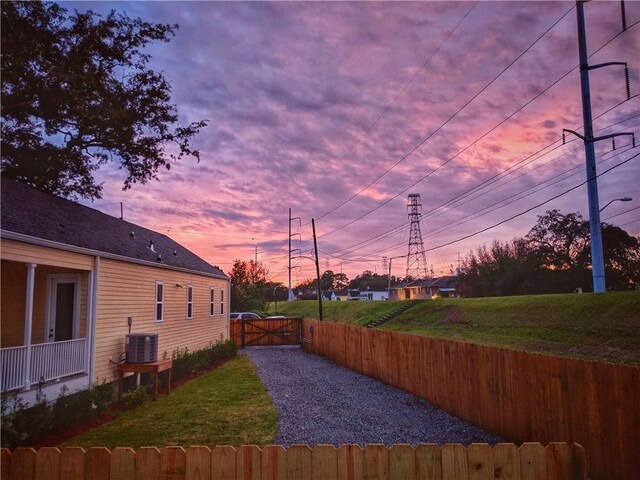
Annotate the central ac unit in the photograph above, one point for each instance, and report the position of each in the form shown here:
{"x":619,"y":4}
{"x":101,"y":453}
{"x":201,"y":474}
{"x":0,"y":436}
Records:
{"x":141,"y":347}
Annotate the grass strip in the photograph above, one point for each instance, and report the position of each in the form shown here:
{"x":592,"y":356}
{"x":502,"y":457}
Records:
{"x":228,"y":406}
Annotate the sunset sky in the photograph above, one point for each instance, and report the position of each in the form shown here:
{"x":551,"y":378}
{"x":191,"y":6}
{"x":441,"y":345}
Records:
{"x":340,"y":110}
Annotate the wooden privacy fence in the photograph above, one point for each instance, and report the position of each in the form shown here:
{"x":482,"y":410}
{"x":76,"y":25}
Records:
{"x":532,"y":461}
{"x":520,"y":396}
{"x":266,"y":331}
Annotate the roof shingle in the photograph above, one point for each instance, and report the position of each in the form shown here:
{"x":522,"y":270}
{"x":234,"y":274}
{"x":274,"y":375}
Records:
{"x":28,"y":211}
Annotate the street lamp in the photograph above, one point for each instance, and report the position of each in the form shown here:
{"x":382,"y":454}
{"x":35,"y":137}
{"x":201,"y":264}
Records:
{"x":623,"y":199}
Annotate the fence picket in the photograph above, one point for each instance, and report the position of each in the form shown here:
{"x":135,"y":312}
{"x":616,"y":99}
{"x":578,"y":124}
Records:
{"x":172,"y":463}
{"x":299,"y":462}
{"x":147,"y":463}
{"x":123,"y":463}
{"x":505,"y":462}
{"x":95,"y":463}
{"x":223,"y":463}
{"x":248,"y":463}
{"x":402,"y":462}
{"x":429,"y":461}
{"x":324,"y":463}
{"x":559,"y":461}
{"x":533,"y":462}
{"x":74,"y":464}
{"x":198,"y":463}
{"x":48,"y":464}
{"x":454,"y":462}
{"x":274,"y":463}
{"x":23,"y":464}
{"x":350,"y":463}
{"x":376,"y":460}
{"x":480,"y":462}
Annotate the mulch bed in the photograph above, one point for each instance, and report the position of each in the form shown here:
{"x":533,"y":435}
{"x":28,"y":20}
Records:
{"x":114,"y":410}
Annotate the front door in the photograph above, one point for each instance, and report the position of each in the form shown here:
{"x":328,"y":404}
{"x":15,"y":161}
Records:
{"x":64,"y":296}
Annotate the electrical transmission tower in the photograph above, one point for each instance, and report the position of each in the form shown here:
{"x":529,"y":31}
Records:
{"x":416,"y":260}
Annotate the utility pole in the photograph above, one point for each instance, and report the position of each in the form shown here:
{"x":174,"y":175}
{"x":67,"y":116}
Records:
{"x":290,"y":294}
{"x":389,"y":279}
{"x":315,"y":248}
{"x":595,"y":229}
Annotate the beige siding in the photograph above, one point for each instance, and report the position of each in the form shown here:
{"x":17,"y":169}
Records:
{"x":22,"y":252}
{"x":128,"y":290}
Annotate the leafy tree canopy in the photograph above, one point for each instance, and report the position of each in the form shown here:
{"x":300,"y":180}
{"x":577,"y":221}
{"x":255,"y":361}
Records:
{"x":77,"y":93}
{"x":554,"y":257}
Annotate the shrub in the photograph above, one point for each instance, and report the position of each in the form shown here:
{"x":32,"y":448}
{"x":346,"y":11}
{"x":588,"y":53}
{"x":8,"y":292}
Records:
{"x":185,"y":362}
{"x":24,"y":425}
{"x":136,"y":397}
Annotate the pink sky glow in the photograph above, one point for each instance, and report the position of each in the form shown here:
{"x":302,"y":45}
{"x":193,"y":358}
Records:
{"x":313,"y":103}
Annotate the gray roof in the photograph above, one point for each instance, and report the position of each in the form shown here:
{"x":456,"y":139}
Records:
{"x":31,"y":212}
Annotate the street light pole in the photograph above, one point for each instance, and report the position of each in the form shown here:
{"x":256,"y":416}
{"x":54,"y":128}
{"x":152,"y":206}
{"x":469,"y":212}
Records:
{"x":623,"y":199}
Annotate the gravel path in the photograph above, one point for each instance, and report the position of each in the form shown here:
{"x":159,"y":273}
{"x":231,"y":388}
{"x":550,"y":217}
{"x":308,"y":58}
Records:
{"x":323,"y":403}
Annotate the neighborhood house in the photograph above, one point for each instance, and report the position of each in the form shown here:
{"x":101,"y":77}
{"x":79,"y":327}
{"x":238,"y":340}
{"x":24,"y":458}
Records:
{"x":76,"y":281}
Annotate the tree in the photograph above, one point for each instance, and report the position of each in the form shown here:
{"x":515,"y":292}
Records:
{"x":554,"y":257}
{"x":249,"y":285}
{"x":77,"y":94}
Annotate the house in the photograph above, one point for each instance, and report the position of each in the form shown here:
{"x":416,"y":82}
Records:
{"x":426,"y":288}
{"x":367,"y":294}
{"x":75,"y":281}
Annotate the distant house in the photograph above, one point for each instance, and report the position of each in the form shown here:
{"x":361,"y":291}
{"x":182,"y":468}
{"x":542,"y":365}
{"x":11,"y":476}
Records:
{"x":75,"y":281}
{"x":368,"y":294}
{"x":426,"y":288}
{"x":329,"y":296}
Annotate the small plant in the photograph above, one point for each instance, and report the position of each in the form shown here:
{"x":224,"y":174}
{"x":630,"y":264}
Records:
{"x":136,"y":397}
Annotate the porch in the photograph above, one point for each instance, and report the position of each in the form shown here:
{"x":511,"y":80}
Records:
{"x":45,"y":320}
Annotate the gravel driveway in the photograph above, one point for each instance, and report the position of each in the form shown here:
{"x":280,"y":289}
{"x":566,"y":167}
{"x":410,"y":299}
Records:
{"x":323,"y":403}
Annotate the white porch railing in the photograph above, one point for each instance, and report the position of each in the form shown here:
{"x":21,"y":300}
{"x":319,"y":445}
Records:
{"x":49,"y":361}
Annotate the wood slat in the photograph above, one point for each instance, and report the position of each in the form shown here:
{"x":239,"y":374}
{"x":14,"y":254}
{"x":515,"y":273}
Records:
{"x":172,"y":463}
{"x":23,"y":464}
{"x":533,"y":462}
{"x":198,"y":463}
{"x":429,"y":461}
{"x":274,"y":463}
{"x":454,"y":462}
{"x":223,"y":463}
{"x":96,"y":462}
{"x":506,"y":465}
{"x":324,"y":463}
{"x":123,"y":463}
{"x":351,"y":463}
{"x":376,"y":459}
{"x":402,"y":462}
{"x":299,"y":462}
{"x":248,"y":463}
{"x":147,"y":463}
{"x":480,"y":462}
{"x":48,"y":464}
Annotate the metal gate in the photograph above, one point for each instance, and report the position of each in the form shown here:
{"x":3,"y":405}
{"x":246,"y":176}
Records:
{"x":272,"y":331}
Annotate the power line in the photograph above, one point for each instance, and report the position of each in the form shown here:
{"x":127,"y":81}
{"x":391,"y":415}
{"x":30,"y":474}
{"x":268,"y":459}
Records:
{"x":424,"y":140}
{"x":477,"y":140}
{"x":426,"y":62}
{"x":531,"y":208}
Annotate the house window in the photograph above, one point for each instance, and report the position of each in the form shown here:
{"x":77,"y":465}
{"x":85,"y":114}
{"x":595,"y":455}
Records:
{"x":189,"y":301}
{"x":159,"y":301}
{"x":211,"y":301}
{"x":221,"y":301}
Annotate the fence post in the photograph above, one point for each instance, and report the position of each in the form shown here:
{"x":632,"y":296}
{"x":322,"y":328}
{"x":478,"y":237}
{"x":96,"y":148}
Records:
{"x":242,"y":332}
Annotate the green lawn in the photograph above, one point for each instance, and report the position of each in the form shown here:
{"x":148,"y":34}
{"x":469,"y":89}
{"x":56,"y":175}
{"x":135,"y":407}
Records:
{"x":602,"y":327}
{"x":228,"y":406}
{"x":356,"y":313}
